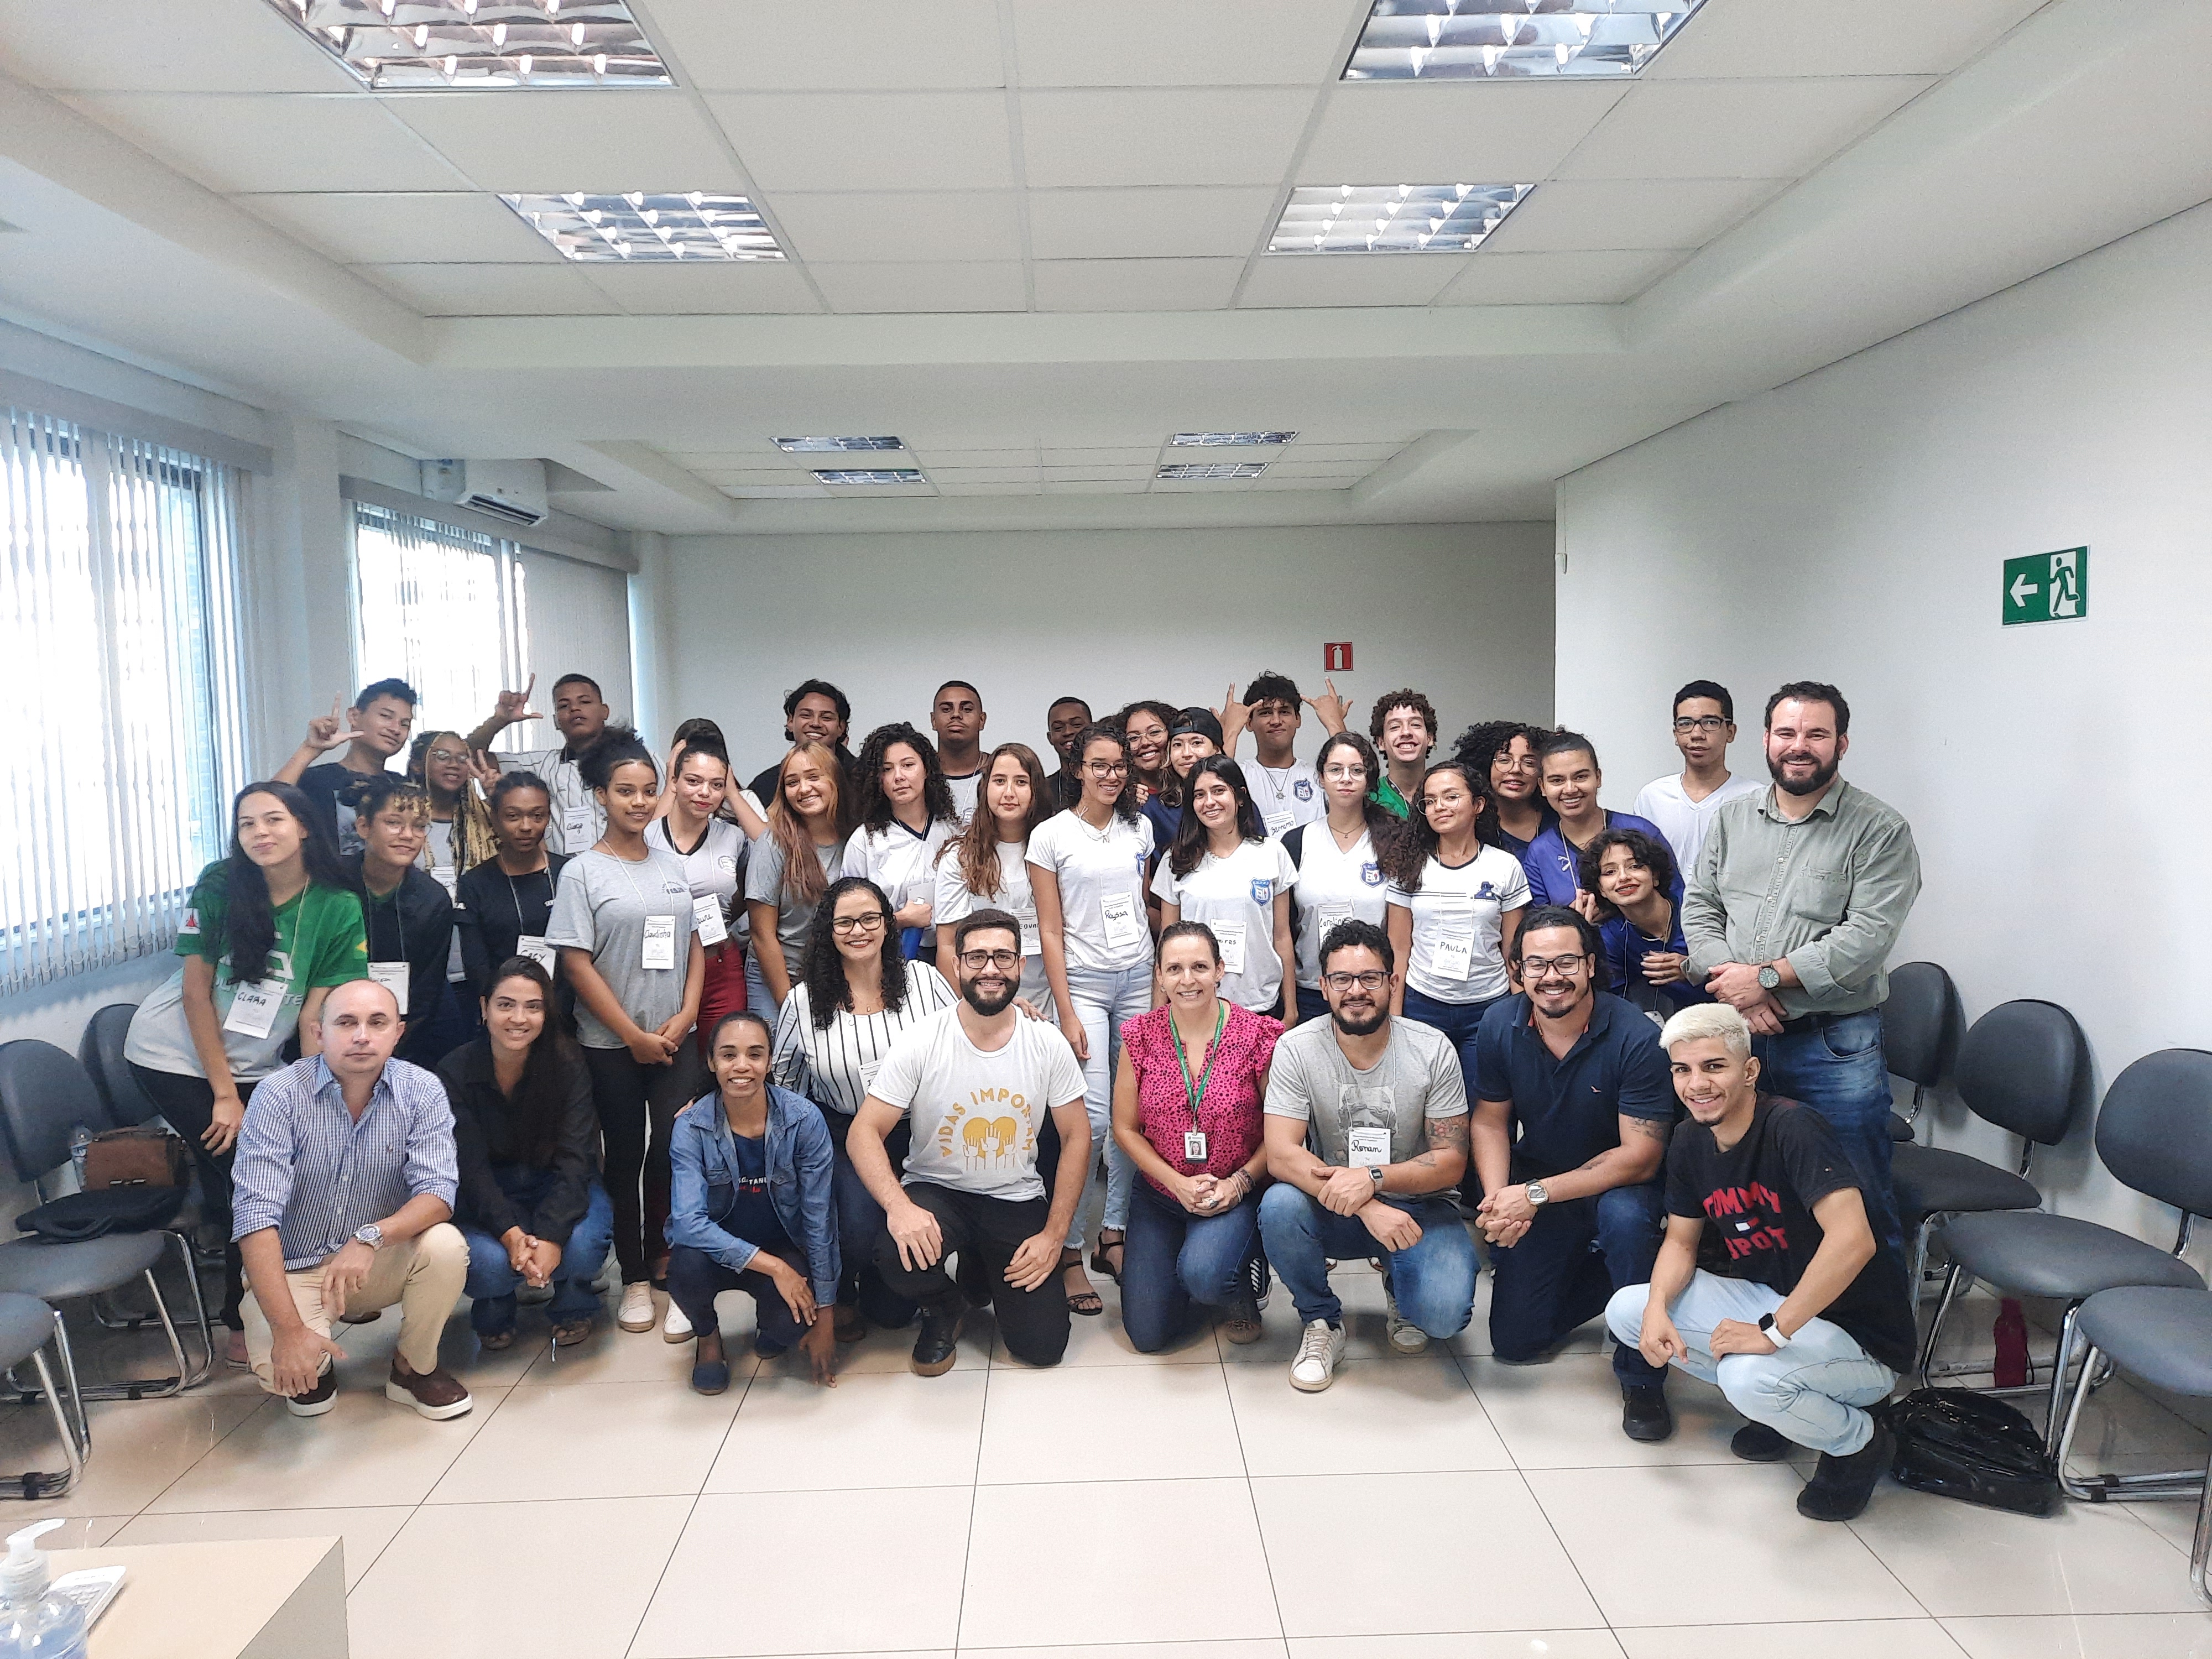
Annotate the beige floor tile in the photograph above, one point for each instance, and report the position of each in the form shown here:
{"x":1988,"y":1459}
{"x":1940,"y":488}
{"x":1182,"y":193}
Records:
{"x":2124,"y":1432}
{"x":1782,"y":1567}
{"x":1133,"y":1583}
{"x":2174,"y":1520}
{"x":1892,"y":1639}
{"x":1399,"y":1414}
{"x":1108,"y":1423}
{"x":555,"y":1581}
{"x":619,"y":1356}
{"x":1475,"y":1339}
{"x":77,"y":1532}
{"x":855,"y":1573}
{"x":2097,"y":1636}
{"x":1963,"y":1561}
{"x":1464,"y":1645}
{"x":886,"y":1430}
{"x":1257,"y":1647}
{"x":1467,"y":1551}
{"x":138,"y":1447}
{"x":1566,"y":1415}
{"x":882,"y":1351}
{"x":1358,"y":1286}
{"x":366,"y":1532}
{"x":603,"y":1440}
{"x":369,"y":1349}
{"x":1100,"y":1340}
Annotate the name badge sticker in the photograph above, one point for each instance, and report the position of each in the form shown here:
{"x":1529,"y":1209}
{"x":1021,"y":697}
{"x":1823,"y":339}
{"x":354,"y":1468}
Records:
{"x":1230,"y":935}
{"x":1277,"y":822}
{"x":576,"y":828}
{"x":1118,"y":911}
{"x":534,"y":946}
{"x":393,"y":976}
{"x":253,"y":1008}
{"x":1032,"y":939}
{"x":1452,"y":956}
{"x":1367,"y":1145}
{"x":706,"y":920}
{"x":659,"y":950}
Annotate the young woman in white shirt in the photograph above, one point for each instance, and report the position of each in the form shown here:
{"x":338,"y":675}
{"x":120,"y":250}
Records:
{"x":903,"y":810}
{"x":712,"y":850}
{"x":1338,"y":859}
{"x":856,"y":994}
{"x":1224,"y":872}
{"x":1087,"y":875}
{"x":1455,"y":903}
{"x":790,"y":868}
{"x":986,"y":867}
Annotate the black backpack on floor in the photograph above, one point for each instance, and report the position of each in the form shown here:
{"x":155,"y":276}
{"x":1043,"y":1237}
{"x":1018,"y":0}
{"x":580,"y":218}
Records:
{"x":1966,"y":1445}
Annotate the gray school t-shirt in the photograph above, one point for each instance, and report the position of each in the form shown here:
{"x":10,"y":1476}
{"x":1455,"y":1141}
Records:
{"x":1417,"y":1078}
{"x":601,"y":906}
{"x":764,"y":885}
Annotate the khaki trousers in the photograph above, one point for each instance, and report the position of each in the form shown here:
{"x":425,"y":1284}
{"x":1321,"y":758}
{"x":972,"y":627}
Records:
{"x":423,"y":1274}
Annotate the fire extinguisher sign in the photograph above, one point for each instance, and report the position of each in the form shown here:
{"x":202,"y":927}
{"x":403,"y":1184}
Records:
{"x":1336,"y":658}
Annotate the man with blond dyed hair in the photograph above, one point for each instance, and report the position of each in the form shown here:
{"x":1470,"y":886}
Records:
{"x":1772,"y":1284}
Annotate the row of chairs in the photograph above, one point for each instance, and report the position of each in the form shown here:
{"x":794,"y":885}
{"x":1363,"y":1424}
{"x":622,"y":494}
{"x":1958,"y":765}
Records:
{"x":2024,"y":1067}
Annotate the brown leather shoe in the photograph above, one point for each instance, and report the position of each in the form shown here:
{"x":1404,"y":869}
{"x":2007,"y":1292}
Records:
{"x":436,"y":1394}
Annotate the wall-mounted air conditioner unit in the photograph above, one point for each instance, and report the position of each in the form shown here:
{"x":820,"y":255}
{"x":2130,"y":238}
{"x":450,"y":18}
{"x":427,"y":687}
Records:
{"x":512,"y":490}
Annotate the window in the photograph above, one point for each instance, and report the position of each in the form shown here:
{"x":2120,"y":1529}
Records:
{"x":119,"y":623}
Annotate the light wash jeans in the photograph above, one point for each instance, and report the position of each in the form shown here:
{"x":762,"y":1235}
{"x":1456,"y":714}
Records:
{"x":1104,"y":1002}
{"x":1433,"y":1280}
{"x":1813,"y":1392}
{"x":756,"y":993}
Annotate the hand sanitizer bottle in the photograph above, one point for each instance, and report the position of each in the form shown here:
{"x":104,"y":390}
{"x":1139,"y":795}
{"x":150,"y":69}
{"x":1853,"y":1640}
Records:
{"x":39,"y":1624}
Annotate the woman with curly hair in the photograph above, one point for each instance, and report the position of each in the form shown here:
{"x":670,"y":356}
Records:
{"x":905,"y":815}
{"x":1148,"y":724}
{"x":1502,"y":756}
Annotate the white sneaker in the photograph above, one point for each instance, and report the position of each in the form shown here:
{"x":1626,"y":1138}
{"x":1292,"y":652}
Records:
{"x":1319,"y":1350}
{"x":676,"y":1328}
{"x":1405,"y":1337}
{"x":637,"y":1312}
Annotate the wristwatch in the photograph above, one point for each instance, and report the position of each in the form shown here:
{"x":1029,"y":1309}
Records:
{"x":1771,"y":1331}
{"x":1538,"y":1198}
{"x":1375,"y":1170}
{"x":371,"y":1235}
{"x":1769,"y":980}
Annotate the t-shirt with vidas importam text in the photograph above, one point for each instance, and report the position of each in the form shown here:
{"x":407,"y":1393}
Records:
{"x":975,"y":1113}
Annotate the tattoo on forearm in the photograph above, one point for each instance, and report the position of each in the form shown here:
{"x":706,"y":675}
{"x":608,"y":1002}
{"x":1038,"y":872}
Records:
{"x":1448,"y":1134}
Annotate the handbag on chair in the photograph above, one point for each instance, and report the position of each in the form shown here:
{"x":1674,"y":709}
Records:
{"x":140,"y":1157}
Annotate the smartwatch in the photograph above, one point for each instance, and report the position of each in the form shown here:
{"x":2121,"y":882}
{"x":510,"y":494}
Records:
{"x":1771,"y":1331}
{"x":1538,"y":1198}
{"x":371,"y":1235}
{"x":1769,"y":980}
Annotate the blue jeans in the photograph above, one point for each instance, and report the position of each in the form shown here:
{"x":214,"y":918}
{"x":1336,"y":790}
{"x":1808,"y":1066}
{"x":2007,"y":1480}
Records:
{"x":1456,"y":1020}
{"x":1104,"y":1002}
{"x":758,"y":997}
{"x":493,"y":1281}
{"x":860,"y":1218}
{"x":1565,"y":1269}
{"x":1839,"y":1070}
{"x":1813,"y":1392}
{"x":696,"y":1278}
{"x":1433,"y":1281}
{"x":1174,"y":1259}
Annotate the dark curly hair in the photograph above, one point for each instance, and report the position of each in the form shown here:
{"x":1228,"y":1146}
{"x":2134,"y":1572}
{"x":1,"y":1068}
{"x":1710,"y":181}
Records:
{"x":1410,"y":850}
{"x":1125,"y":804}
{"x":821,"y":970}
{"x":1652,"y":853}
{"x":872,"y":806}
{"x":617,"y":746}
{"x":1484,"y":741}
{"x":1408,"y":698}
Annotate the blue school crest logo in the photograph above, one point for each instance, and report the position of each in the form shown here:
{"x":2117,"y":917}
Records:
{"x":1263,"y":893}
{"x":1487,"y":890}
{"x":1302,"y":787}
{"x":1371,"y":873}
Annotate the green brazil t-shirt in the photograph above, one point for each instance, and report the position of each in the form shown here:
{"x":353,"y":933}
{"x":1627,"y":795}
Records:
{"x":320,"y":942}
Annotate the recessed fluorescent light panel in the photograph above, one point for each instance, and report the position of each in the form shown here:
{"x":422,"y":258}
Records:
{"x":1212,"y":469}
{"x":1393,"y":218}
{"x":543,"y":45}
{"x":833,"y":445}
{"x":869,"y":475}
{"x":1472,"y":40}
{"x":644,"y":229}
{"x":1223,"y":439}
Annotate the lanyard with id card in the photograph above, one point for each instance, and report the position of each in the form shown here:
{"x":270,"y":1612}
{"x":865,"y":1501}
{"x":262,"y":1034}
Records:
{"x":1451,"y":947}
{"x":658,"y":946}
{"x":1193,"y":1139}
{"x":1279,"y":823}
{"x":534,"y":946}
{"x":1367,"y":1145}
{"x":393,"y":976}
{"x":253,"y":1007}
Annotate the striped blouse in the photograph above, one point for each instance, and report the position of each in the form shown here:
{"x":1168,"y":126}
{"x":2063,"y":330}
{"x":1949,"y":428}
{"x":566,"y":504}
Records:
{"x":833,"y":1067}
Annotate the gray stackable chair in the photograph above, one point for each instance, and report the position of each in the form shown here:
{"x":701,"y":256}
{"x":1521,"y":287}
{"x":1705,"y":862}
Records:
{"x":2162,"y":1334}
{"x":1919,"y":1034}
{"x":44,"y":1095}
{"x":2154,"y":1135}
{"x":99,"y":1051}
{"x":26,"y":1326}
{"x":2023,"y":1066}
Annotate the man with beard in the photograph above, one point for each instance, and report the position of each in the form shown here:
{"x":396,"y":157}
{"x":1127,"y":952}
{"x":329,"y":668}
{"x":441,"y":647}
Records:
{"x":1064,"y":722}
{"x":1790,"y":917}
{"x":987,"y":1090}
{"x":1366,"y":1138}
{"x":580,"y":714}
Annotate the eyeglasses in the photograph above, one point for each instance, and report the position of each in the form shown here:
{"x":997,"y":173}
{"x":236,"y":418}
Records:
{"x":1701,"y":723}
{"x":1374,"y":979}
{"x":867,"y":924}
{"x":1106,"y":768}
{"x":447,"y":757}
{"x":1347,"y":774}
{"x":1565,"y":967}
{"x":977,"y":961}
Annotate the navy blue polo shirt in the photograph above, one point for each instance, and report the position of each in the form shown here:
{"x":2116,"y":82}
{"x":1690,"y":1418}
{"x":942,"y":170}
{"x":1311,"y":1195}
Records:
{"x":1569,"y":1111}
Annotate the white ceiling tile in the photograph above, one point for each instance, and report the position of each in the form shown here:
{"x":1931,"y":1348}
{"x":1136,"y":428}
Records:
{"x":805,"y":492}
{"x":708,"y":288}
{"x":1081,"y":474}
{"x":1734,"y":129}
{"x":1349,"y":279}
{"x":877,"y":492}
{"x":747,"y":477}
{"x":1834,"y":37}
{"x":1155,"y":43}
{"x":1130,"y":456}
{"x":283,"y":142}
{"x":1094,"y":486}
{"x":943,"y":286}
{"x":761,"y":454}
{"x":1395,"y":133}
{"x":1494,"y":278}
{"x":150,"y":45}
{"x":935,"y":459}
{"x":986,"y":489}
{"x":1271,"y":482}
{"x":876,"y":141}
{"x":1233,"y":136}
{"x":1158,"y":223}
{"x":856,"y":228}
{"x":1303,"y":451}
{"x":491,"y":290}
{"x":600,"y":141}
{"x":772,"y":46}
{"x":984,"y":474}
{"x":1577,"y":214}
{"x":1198,"y":486}
{"x":1291,"y":467}
{"x":394,"y":228}
{"x":1136,"y":285}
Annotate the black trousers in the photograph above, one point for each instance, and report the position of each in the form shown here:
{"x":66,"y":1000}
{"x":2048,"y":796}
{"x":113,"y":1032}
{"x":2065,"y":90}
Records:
{"x":984,"y":1233}
{"x":637,"y":1106}
{"x":696,"y":1278}
{"x":188,"y":1105}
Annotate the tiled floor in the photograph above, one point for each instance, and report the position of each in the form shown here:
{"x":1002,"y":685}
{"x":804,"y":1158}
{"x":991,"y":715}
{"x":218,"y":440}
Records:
{"x":1186,"y":1506}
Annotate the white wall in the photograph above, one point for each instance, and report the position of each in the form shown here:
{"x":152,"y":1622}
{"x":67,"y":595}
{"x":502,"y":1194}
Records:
{"x":1850,"y":527}
{"x":1462,"y":611}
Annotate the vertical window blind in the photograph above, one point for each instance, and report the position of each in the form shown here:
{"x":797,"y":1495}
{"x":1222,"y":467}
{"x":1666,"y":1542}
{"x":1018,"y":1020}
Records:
{"x":120,"y":626}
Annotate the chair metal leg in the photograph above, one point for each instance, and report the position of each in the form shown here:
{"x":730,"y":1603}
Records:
{"x":2058,"y":1403}
{"x":144,"y":1388}
{"x":2200,"y":1546}
{"x":1920,"y":1257}
{"x":1951,"y":1282}
{"x":70,"y":1377}
{"x":199,"y":1313}
{"x":76,"y":1445}
{"x":2122,"y":1488}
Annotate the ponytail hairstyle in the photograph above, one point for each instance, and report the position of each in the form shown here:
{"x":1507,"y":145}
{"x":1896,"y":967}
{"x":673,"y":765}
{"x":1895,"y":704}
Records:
{"x":977,"y":849}
{"x":617,"y":746}
{"x":1414,"y":843}
{"x":872,"y":806}
{"x":249,"y":920}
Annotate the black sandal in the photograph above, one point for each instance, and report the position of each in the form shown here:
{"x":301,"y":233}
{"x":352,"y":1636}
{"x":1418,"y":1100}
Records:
{"x":1098,"y":1262}
{"x":1088,"y":1303}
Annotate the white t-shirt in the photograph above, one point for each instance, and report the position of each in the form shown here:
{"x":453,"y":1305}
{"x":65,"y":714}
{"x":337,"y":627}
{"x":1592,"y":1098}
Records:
{"x":715,"y":868}
{"x":1101,"y":874}
{"x":1286,"y":795}
{"x":1456,"y":917}
{"x":974,"y":1115}
{"x":956,"y":903}
{"x":578,"y":820}
{"x":901,"y":863}
{"x":1333,"y":886}
{"x":1235,"y":897}
{"x":833,"y":1066}
{"x":963,"y":794}
{"x":1683,"y":821}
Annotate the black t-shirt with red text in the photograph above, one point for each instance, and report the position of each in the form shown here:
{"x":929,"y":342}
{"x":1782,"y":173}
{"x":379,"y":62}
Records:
{"x":1756,"y":1200}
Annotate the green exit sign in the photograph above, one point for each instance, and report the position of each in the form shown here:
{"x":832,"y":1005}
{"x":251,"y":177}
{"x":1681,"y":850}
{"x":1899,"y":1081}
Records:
{"x":2042,"y":588}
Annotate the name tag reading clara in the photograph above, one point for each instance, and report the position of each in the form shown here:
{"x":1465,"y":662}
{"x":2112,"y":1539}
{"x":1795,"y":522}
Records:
{"x":393,"y":976}
{"x":253,"y":1008}
{"x":1230,"y":935}
{"x":1118,"y":913}
{"x":1194,"y":1146}
{"x":1367,"y":1145}
{"x":706,"y":920}
{"x":659,"y":946}
{"x":534,"y":946}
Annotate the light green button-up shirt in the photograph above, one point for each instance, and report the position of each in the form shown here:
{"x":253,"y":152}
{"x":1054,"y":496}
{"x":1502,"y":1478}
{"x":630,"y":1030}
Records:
{"x":1829,"y":892}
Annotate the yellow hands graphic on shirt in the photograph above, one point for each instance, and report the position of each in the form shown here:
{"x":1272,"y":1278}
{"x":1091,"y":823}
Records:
{"x":984,"y":1137}
{"x":989,"y":1139}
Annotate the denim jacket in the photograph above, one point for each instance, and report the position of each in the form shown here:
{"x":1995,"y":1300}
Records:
{"x":702,"y":1157}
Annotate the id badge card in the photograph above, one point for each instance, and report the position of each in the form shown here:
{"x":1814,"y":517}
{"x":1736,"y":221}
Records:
{"x":1230,"y":935}
{"x":1367,"y":1145}
{"x":448,"y":877}
{"x":393,"y":976}
{"x":1453,"y":956}
{"x":534,"y":946}
{"x":707,"y":921}
{"x":660,"y":945}
{"x":1032,"y":940}
{"x":253,"y":1008}
{"x":575,"y":828}
{"x":1277,"y":822}
{"x":1118,"y":913}
{"x":1328,"y":916}
{"x":868,"y":1070}
{"x":1194,"y":1146}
